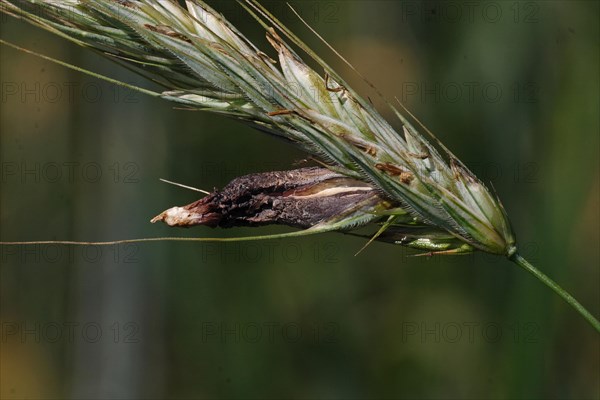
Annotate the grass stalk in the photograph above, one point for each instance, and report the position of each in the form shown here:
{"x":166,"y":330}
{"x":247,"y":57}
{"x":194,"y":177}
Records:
{"x":566,"y":296}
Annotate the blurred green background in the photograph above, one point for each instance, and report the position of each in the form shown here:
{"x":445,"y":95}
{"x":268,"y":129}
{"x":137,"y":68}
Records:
{"x":512,"y":87}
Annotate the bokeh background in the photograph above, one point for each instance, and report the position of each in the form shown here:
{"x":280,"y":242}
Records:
{"x":511,"y":87}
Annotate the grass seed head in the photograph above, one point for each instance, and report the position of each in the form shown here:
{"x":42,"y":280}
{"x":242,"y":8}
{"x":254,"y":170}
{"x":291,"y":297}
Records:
{"x":203,"y":62}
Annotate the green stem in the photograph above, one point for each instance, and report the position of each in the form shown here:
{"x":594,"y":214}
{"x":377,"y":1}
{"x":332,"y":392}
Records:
{"x":520,"y":261}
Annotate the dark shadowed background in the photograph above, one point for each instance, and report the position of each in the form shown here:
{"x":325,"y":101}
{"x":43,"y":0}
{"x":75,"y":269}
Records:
{"x":511,"y":87}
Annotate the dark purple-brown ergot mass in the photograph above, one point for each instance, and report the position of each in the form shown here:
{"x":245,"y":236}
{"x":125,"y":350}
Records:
{"x":300,"y":198}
